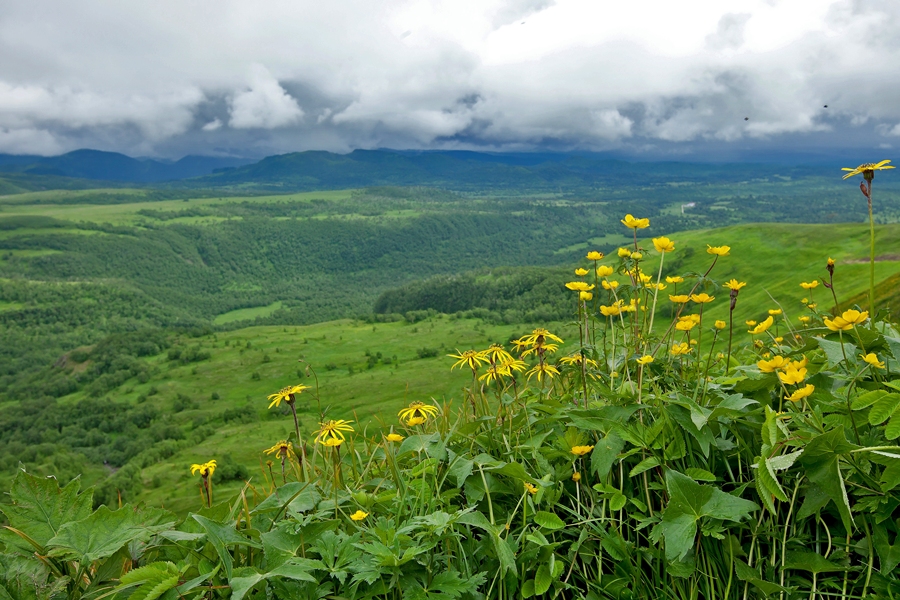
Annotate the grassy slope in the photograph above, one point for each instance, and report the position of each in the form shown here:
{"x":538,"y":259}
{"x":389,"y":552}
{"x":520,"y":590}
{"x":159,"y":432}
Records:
{"x":369,"y":396}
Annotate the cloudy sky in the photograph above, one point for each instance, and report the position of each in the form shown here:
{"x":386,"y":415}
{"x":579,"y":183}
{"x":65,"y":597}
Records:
{"x":251,"y":78}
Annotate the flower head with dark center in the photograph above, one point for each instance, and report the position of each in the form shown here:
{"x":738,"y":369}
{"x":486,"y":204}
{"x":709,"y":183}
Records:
{"x":205,"y":470}
{"x":470,"y":358}
{"x":867,"y":170}
{"x":417,"y":410}
{"x":282,"y":449}
{"x":333,"y":430}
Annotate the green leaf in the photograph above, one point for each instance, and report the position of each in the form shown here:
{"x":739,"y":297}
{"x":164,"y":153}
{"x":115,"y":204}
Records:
{"x":222,"y":535}
{"x":548,"y":520}
{"x":460,"y":470}
{"x":769,"y":480}
{"x":617,"y":502}
{"x":542,"y":580}
{"x":102,"y":533}
{"x":820,"y":459}
{"x":868,"y":399}
{"x":698,"y":474}
{"x":644,"y":465}
{"x":688,"y":503}
{"x":245,"y":578}
{"x":605,"y":453}
{"x":805,"y":560}
{"x":833,"y":351}
{"x":40,"y":507}
{"x":884,"y":409}
{"x":892,"y":431}
{"x":528,"y":589}
{"x":154,"y":580}
{"x":784,"y":461}
{"x":888,"y":555}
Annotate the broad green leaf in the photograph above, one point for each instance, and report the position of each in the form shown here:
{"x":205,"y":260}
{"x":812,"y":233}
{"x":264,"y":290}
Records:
{"x":153,"y":580}
{"x":245,"y":578}
{"x":542,"y":580}
{"x":605,"y":453}
{"x":516,"y":471}
{"x":884,"y":409}
{"x":688,"y":503}
{"x":528,"y":589}
{"x":102,"y":533}
{"x":40,"y":507}
{"x":548,"y":520}
{"x":805,"y":560}
{"x":820,"y":459}
{"x":731,"y":405}
{"x":617,"y":502}
{"x":504,"y":553}
{"x":888,"y":555}
{"x":833,"y":351}
{"x":460,"y":470}
{"x":868,"y":399}
{"x":770,"y":480}
{"x":222,"y":535}
{"x":892,"y":431}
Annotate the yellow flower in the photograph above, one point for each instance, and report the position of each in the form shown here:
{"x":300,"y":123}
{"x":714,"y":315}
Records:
{"x":282,"y":449}
{"x":687,"y":325}
{"x":867,"y":170}
{"x":576,"y":359}
{"x":678,"y":349}
{"x":594,"y":255}
{"x":804,"y":301}
{"x":470,"y":358}
{"x":720,"y":324}
{"x":585,"y":296}
{"x":530,"y":488}
{"x":655,"y":286}
{"x":750,"y":323}
{"x":576,"y":476}
{"x":645,"y":360}
{"x":779,"y":339}
{"x":581,"y":450}
{"x":413,"y":421}
{"x":770,"y":366}
{"x":718,"y":250}
{"x":644,"y":278}
{"x":774,"y":311}
{"x":810,"y":284}
{"x":359,"y":515}
{"x":847,"y":321}
{"x":762,"y":327}
{"x":663,"y":244}
{"x":695,"y":319}
{"x":580,"y":286}
{"x":541,"y":370}
{"x":206,"y":469}
{"x":604,"y":271}
{"x":394,"y":437}
{"x":286,"y":394}
{"x":332,"y":442}
{"x":804,"y":319}
{"x":801,"y":393}
{"x":792,"y":376}
{"x":418,"y":409}
{"x":609,"y":285}
{"x":630,"y":222}
{"x":812,"y":306}
{"x":497,"y":353}
{"x":611,"y":311}
{"x":702,"y":298}
{"x":872,"y":359}
{"x":830,"y":262}
{"x":674,"y":279}
{"x":735,"y":285}
{"x":332,"y":430}
{"x":624,"y":253}
{"x":636,"y":256}
{"x":679,"y":299}
{"x":581,"y":272}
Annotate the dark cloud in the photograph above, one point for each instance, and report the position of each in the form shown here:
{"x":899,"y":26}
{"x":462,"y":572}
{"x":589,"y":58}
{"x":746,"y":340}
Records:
{"x":235,"y":77}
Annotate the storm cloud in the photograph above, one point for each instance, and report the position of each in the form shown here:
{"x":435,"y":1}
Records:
{"x":238,"y":78}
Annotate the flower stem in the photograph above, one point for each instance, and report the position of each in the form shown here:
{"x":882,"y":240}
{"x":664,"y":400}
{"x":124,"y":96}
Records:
{"x":871,"y":254}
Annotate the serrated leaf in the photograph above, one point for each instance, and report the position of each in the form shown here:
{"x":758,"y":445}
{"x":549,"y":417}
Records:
{"x":103,"y":532}
{"x":548,"y":520}
{"x":868,"y":399}
{"x":884,"y":409}
{"x":605,"y":453}
{"x":644,"y":465}
{"x":40,"y":507}
{"x":698,"y":474}
{"x":769,"y":480}
{"x":833,"y":350}
{"x":147,"y":572}
{"x":888,"y":555}
{"x":785,"y":461}
{"x":892,"y":431}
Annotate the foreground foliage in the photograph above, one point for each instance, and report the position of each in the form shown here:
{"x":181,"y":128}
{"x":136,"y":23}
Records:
{"x":668,"y":457}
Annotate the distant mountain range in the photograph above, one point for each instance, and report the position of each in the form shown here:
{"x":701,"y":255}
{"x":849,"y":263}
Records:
{"x":112,"y":166}
{"x":459,"y":170}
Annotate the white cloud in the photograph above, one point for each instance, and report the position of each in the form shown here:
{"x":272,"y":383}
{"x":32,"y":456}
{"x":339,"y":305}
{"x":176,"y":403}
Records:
{"x":297,"y":74}
{"x":265,"y":105}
